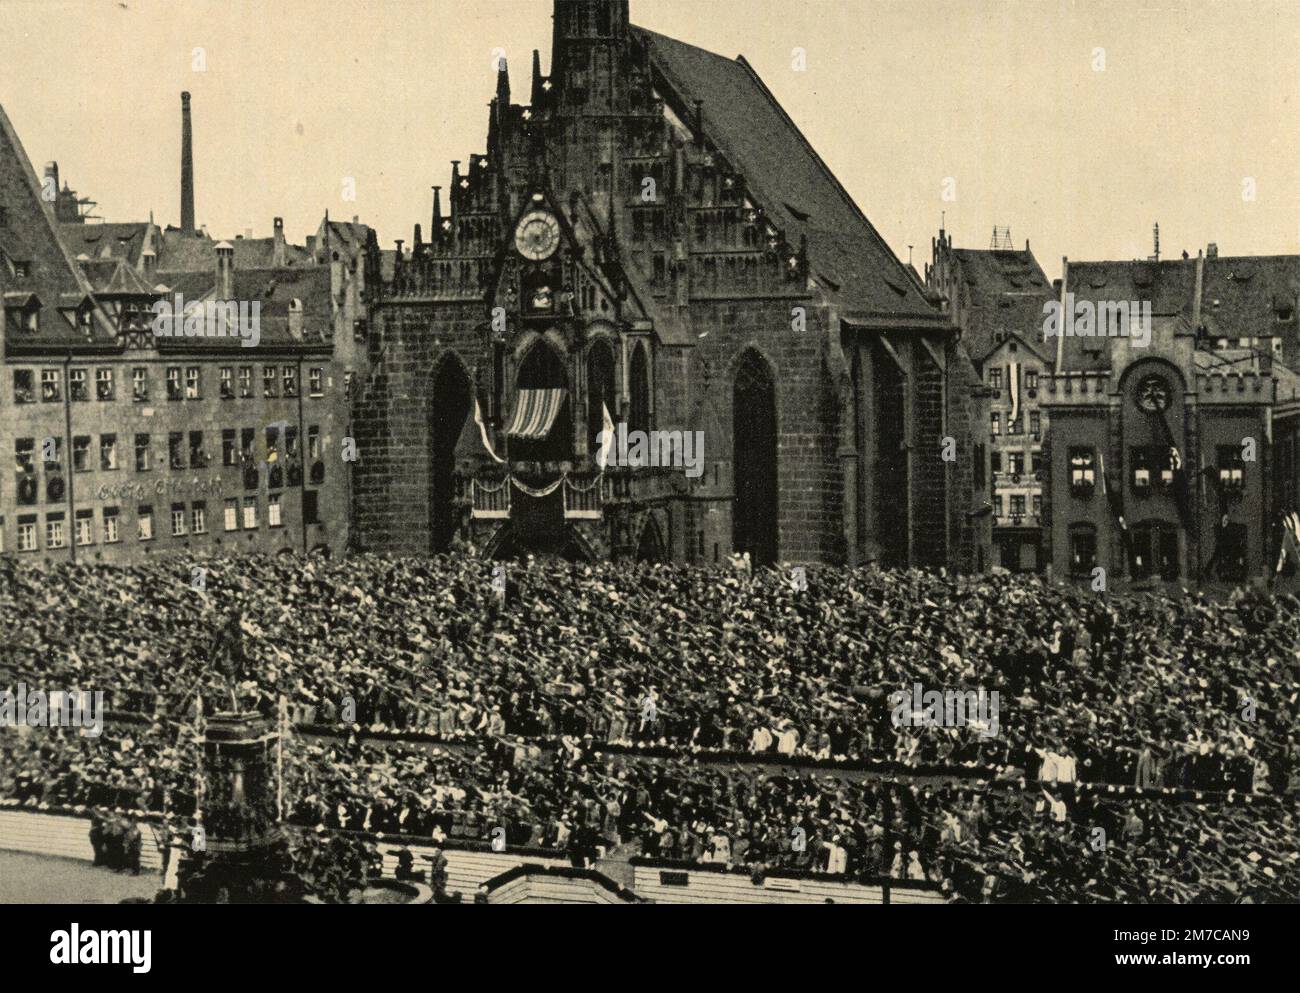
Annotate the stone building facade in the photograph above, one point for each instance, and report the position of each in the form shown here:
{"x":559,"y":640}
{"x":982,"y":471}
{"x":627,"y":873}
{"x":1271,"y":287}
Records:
{"x":1166,"y":460}
{"x":124,"y":444}
{"x":649,"y":234}
{"x":996,"y":297}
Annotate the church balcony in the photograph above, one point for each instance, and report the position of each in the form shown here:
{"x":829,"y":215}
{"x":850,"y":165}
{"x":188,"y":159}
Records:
{"x":489,"y":492}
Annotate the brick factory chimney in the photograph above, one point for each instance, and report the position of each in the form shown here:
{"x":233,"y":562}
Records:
{"x":187,"y":167}
{"x":277,"y":245}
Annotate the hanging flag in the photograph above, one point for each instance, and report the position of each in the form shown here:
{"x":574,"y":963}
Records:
{"x":607,"y":427}
{"x":1111,"y":498}
{"x":1175,"y":459}
{"x":1013,"y":385}
{"x":482,"y":431}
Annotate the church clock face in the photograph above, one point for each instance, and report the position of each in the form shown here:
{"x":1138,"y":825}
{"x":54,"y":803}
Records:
{"x":1153,"y":394}
{"x":538,"y":235}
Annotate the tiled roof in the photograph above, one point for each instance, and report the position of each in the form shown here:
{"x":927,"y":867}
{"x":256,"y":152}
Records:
{"x":29,"y":235}
{"x":193,"y":253}
{"x":790,"y":181}
{"x":1002,"y":291}
{"x":1169,"y":285}
{"x":1242,"y":297}
{"x":98,"y":241}
{"x":274,"y":290}
{"x":111,"y":277}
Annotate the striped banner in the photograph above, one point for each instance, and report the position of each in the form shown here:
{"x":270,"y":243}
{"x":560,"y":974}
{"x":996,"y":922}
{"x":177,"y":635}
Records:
{"x":535,"y":414}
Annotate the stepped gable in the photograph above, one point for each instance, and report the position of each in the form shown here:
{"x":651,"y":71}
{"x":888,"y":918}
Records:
{"x":794,"y":185}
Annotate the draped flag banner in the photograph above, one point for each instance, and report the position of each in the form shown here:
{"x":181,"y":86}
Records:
{"x":1013,"y":387}
{"x":607,"y":429}
{"x":535,"y":414}
{"x":482,"y":432}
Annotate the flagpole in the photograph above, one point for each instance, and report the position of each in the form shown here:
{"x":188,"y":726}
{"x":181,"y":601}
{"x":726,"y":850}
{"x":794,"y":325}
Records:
{"x":279,"y":761}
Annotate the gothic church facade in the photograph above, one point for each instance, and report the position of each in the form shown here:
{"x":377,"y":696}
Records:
{"x":649,"y":242}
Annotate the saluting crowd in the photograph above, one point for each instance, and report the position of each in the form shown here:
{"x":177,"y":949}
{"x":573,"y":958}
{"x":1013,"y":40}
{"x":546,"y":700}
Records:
{"x":599,"y":708}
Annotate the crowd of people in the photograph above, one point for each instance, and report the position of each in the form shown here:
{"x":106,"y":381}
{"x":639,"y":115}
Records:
{"x":697,"y":715}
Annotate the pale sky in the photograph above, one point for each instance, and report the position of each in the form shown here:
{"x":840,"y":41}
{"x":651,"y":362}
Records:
{"x":1078,"y":151}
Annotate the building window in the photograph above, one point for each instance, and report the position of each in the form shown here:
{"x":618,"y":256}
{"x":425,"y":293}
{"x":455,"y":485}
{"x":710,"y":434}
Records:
{"x":143,"y":453}
{"x":85,"y":527}
{"x":178,"y":520}
{"x":247,"y":439}
{"x":81,"y":453}
{"x":139,"y":384}
{"x":77,"y":389}
{"x":27,"y":534}
{"x":52,"y":454}
{"x":51,"y":385}
{"x":1153,"y":550}
{"x":144,"y":524}
{"x":349,"y":378}
{"x":290,"y":381}
{"x":269,"y":385}
{"x":1083,"y":549}
{"x":104,"y":384}
{"x":1017,"y":505}
{"x":250,"y":513}
{"x":175,"y":450}
{"x":1232,"y":469}
{"x":231,"y":519}
{"x":995,"y":377}
{"x":1031,"y":379}
{"x":1230,"y":553}
{"x":981,"y":458}
{"x":174,"y":382}
{"x":995,"y":461}
{"x":108,"y":451}
{"x":24,"y":390}
{"x":1016,"y":463}
{"x":1036,"y":461}
{"x":111,"y":533}
{"x":55,"y":536}
{"x":1013,"y":427}
{"x":199,"y":517}
{"x":317,"y":470}
{"x":273,"y":510}
{"x":1036,"y":425}
{"x":316,"y":382}
{"x":193,"y":383}
{"x":997,"y":505}
{"x":310,"y":507}
{"x":1083,"y":475}
{"x":245,"y":381}
{"x":227,"y":383}
{"x":229,"y":450}
{"x":995,"y":424}
{"x":1038,"y":505}
{"x":198,"y":454}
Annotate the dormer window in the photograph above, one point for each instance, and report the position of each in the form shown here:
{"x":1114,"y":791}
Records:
{"x":22,"y":312}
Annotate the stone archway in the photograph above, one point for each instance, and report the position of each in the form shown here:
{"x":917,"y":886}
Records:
{"x":755,"y":513}
{"x":452,"y":402}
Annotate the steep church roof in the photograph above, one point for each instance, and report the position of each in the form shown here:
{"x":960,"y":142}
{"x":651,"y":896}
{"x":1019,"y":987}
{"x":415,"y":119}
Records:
{"x":787,"y":176}
{"x":29,"y":238}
